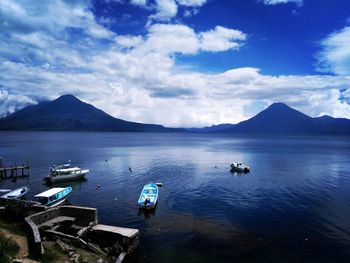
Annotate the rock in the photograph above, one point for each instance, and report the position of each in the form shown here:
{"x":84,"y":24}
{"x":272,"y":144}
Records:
{"x":107,"y":249}
{"x":62,"y":245}
{"x":85,"y":260}
{"x":71,"y":253}
{"x":76,"y":258}
{"x":17,"y":260}
{"x":71,"y":248}
{"x":99,"y":260}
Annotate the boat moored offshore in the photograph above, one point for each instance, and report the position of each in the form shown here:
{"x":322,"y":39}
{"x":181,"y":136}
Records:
{"x":239,"y":167}
{"x":54,"y":196}
{"x":63,"y":173}
{"x":149,"y":196}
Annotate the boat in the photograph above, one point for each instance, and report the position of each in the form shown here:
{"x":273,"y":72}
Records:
{"x":65,"y":172}
{"x":17,"y":193}
{"x":54,"y":196}
{"x":61,"y":166}
{"x":149,"y":196}
{"x":239,"y":167}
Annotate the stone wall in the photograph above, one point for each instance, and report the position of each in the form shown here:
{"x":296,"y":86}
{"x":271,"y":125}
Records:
{"x":83,"y":215}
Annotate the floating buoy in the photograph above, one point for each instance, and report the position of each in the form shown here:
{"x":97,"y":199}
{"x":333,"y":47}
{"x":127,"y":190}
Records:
{"x":159,"y":184}
{"x":98,"y":186}
{"x":130,"y":169}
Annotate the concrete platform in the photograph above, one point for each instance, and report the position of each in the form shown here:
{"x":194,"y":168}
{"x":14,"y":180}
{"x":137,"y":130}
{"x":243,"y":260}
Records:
{"x":57,"y":220}
{"x":123,"y":231}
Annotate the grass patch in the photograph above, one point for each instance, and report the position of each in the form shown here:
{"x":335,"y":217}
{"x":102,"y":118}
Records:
{"x":8,"y":248}
{"x":50,"y":255}
{"x":15,"y":228}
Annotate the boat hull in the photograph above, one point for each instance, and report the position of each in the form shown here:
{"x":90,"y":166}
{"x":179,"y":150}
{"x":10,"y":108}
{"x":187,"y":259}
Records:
{"x":65,"y":178}
{"x":17,"y":193}
{"x":242,"y":169}
{"x":57,"y":203}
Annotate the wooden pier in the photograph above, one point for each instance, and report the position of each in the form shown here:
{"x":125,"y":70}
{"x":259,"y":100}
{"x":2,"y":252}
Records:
{"x":14,"y":171}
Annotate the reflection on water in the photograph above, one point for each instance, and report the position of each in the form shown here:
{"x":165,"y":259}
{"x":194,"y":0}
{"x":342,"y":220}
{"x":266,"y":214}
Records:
{"x":76,"y":185}
{"x":147,"y":213}
{"x":292,"y":207}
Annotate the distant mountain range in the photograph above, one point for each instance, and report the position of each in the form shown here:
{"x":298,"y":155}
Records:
{"x":279,"y":118}
{"x":68,"y":113}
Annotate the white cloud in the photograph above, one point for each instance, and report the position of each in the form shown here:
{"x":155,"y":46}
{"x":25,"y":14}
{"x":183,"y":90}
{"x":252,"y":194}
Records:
{"x":137,"y":77}
{"x":335,"y":54}
{"x":191,"y":2}
{"x":9,"y":103}
{"x":276,"y":2}
{"x":166,"y":9}
{"x":221,"y":39}
{"x":171,"y":38}
{"x":52,"y":16}
{"x":179,"y":38}
{"x":129,"y":41}
{"x":139,"y":2}
{"x":191,"y":12}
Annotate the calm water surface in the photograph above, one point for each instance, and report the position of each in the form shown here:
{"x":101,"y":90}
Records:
{"x":293,"y":206}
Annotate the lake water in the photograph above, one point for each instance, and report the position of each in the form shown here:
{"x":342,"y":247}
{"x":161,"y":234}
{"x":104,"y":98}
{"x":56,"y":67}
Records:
{"x":294,"y":206}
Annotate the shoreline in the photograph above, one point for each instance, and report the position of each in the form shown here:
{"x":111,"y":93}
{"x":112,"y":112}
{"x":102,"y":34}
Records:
{"x":14,"y":234}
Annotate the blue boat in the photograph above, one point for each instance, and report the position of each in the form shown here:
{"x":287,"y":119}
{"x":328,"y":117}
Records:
{"x":54,"y":196}
{"x":149,"y":196}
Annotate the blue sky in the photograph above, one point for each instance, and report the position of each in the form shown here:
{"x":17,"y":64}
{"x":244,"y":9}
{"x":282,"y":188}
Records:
{"x":178,"y":62}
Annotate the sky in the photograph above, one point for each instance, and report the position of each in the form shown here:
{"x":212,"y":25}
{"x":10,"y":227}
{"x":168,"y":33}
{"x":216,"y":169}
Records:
{"x":179,"y":63}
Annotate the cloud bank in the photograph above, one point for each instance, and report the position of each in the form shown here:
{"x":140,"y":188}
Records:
{"x":137,"y":77}
{"x":335,"y":54}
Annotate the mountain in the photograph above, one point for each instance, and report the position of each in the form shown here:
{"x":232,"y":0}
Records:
{"x":279,"y":118}
{"x":68,"y":113}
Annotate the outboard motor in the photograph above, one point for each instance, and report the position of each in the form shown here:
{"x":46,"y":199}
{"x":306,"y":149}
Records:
{"x":147,"y":202}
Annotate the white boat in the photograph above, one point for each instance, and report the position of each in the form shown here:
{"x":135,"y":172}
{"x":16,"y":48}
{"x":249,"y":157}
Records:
{"x":239,"y":167}
{"x":61,"y":166}
{"x":17,"y":193}
{"x":149,"y":196}
{"x":54,"y":196}
{"x":65,"y":172}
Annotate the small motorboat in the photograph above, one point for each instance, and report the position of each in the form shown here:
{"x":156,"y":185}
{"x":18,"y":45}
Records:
{"x":65,"y":172}
{"x":149,"y":196}
{"x":54,"y":196}
{"x":17,"y":193}
{"x":239,"y":167}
